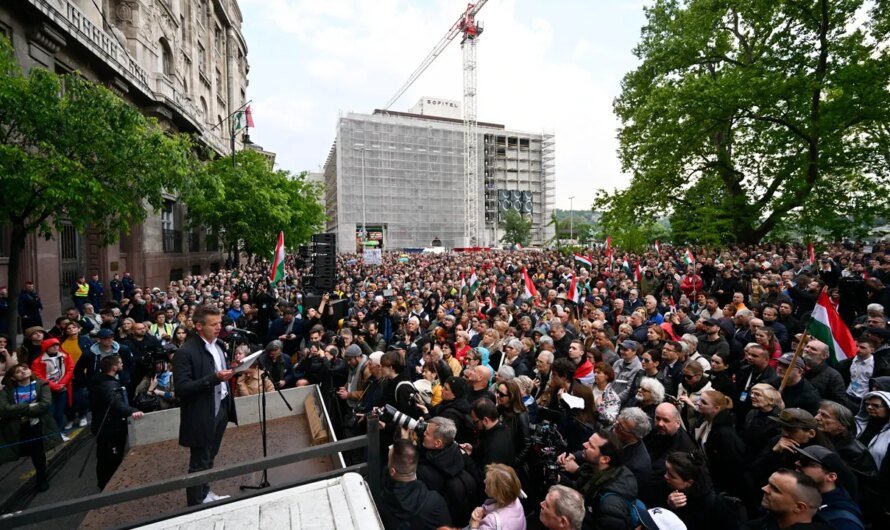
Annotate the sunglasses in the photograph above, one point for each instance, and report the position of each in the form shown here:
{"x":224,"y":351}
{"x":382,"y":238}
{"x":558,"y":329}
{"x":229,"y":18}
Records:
{"x":503,"y":394}
{"x":689,"y":376}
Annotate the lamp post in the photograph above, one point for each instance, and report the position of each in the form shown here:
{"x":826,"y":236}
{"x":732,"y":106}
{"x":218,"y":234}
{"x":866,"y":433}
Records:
{"x":571,"y":220}
{"x":361,"y":147}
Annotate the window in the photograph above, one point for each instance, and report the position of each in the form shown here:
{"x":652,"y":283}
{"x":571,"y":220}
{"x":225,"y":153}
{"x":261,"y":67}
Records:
{"x":68,"y":242}
{"x":202,"y":58}
{"x":204,"y":108}
{"x":166,"y":57}
{"x":167,"y":216}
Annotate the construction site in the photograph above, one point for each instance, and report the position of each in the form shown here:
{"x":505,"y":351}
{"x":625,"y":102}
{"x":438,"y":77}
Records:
{"x":434,"y":175}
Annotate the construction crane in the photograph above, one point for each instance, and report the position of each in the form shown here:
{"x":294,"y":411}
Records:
{"x":466,"y":25}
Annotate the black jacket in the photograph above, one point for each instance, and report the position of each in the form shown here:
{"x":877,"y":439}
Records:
{"x":758,"y":430}
{"x":803,"y":395}
{"x":725,"y":452}
{"x":194,"y":377}
{"x":109,"y":406}
{"x":410,"y":505}
{"x":659,"y":447}
{"x":636,"y":458}
{"x":707,"y":511}
{"x":445,"y":472}
{"x":495,"y":447}
{"x":828,"y":382}
{"x":518,"y":425}
{"x":609,"y":512}
{"x":458,"y":411}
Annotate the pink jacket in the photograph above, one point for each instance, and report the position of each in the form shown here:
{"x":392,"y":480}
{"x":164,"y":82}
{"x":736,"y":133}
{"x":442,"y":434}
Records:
{"x":510,"y":517}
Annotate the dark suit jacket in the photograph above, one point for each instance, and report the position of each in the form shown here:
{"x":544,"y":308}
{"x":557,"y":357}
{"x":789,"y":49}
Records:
{"x":194,"y":377}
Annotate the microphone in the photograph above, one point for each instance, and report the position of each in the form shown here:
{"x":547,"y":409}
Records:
{"x":233,"y":329}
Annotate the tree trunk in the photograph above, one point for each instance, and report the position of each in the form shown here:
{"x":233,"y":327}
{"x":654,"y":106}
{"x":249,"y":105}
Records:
{"x":17,"y":247}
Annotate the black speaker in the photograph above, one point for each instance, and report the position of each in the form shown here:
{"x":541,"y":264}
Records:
{"x":325,"y":239}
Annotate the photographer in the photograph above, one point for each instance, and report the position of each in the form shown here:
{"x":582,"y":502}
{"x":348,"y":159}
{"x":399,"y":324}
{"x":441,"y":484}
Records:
{"x":142,"y":345}
{"x":286,"y":330}
{"x":445,"y":469}
{"x":495,"y":441}
{"x":316,"y":367}
{"x":155,"y":391}
{"x":277,"y":365}
{"x":358,"y":375}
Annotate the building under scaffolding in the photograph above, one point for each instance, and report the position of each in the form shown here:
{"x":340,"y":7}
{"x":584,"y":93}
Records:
{"x":401,"y":177}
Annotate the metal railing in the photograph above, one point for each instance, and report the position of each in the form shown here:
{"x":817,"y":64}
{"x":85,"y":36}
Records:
{"x":172,"y":240}
{"x":91,"y":502}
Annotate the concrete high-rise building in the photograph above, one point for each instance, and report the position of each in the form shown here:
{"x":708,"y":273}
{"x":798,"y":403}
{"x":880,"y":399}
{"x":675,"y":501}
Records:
{"x":401,"y":176}
{"x":182,"y":62}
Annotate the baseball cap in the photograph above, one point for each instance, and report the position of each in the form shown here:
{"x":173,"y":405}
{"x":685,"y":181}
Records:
{"x":105,"y":333}
{"x":824,"y":456}
{"x":712,"y":322}
{"x":353,"y":351}
{"x":795,"y":419}
{"x":787,"y":357}
{"x":630,"y":345}
{"x":661,"y":519}
{"x":400,"y":345}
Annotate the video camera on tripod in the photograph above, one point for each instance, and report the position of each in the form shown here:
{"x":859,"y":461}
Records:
{"x":548,"y":443}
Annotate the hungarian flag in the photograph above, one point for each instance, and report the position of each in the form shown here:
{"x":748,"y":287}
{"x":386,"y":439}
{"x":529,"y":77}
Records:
{"x":608,"y":243}
{"x":625,"y":265}
{"x":493,"y":294}
{"x":689,"y":257}
{"x":277,"y":272}
{"x":473,"y":284}
{"x":827,"y":326}
{"x":517,"y":246}
{"x":530,"y":290}
{"x":243,"y":119}
{"x":638,"y":273}
{"x":583,"y":260}
{"x":574,"y":293}
{"x":463,"y":283}
{"x":657,"y":247}
{"x":812,"y":253}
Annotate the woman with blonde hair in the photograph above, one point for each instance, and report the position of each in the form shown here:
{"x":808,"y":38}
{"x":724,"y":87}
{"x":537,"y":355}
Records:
{"x":723,"y":447}
{"x":502,"y":510}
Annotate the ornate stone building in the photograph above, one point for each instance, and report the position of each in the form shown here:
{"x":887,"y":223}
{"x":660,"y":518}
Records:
{"x":183,"y":62}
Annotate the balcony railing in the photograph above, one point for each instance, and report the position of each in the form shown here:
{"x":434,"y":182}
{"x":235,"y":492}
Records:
{"x":172,"y":240}
{"x":194,"y":242}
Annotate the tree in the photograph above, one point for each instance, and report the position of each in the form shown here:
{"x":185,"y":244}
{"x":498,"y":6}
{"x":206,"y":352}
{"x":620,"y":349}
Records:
{"x":516,"y":229}
{"x":247,"y":205}
{"x":72,"y":151}
{"x":753,"y":114}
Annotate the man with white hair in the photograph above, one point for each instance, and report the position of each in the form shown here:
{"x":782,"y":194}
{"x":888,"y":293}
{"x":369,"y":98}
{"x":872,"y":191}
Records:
{"x":826,"y":379}
{"x":631,"y":427}
{"x":562,"y":509}
{"x":513,"y":358}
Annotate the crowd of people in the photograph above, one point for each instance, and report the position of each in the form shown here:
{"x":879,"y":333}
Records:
{"x":666,"y":395}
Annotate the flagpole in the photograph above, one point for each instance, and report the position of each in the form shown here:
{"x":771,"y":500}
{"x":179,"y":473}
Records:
{"x":232,"y":130}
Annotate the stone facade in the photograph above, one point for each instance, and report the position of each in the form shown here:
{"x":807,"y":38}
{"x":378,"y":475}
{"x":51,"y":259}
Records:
{"x":183,"y":62}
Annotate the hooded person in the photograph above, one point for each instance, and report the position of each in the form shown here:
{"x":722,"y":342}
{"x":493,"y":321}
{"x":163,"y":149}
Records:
{"x":56,"y":368}
{"x":873,"y":425}
{"x":455,"y":407}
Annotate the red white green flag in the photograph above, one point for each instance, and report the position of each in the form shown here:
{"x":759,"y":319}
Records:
{"x":530,"y":290}
{"x":657,"y":247}
{"x":575,"y":290}
{"x":473,"y":284}
{"x":826,"y":325}
{"x":689,"y":257}
{"x":277,"y":271}
{"x":583,"y":260}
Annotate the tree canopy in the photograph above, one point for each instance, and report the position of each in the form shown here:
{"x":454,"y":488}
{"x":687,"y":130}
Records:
{"x":749,"y":116}
{"x":247,"y":205}
{"x":516,"y":229}
{"x":72,"y":151}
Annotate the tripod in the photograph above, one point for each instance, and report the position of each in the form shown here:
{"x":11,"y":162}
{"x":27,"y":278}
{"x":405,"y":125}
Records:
{"x":264,"y":375}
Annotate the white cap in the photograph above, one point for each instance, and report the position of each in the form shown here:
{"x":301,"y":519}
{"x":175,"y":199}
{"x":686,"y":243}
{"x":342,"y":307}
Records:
{"x":664,"y":519}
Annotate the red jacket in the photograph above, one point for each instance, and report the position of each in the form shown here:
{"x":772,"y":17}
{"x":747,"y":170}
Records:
{"x":39,"y":369}
{"x":691,"y":284}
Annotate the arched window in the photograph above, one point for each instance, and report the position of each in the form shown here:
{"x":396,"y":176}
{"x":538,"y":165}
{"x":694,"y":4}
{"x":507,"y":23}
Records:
{"x":166,"y":57}
{"x":204,"y":108}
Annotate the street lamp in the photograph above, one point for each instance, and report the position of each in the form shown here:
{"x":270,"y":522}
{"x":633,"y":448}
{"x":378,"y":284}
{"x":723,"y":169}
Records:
{"x":571,"y":220}
{"x":361,"y":147}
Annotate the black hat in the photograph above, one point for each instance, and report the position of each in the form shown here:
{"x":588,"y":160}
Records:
{"x":400,"y":345}
{"x":712,"y":322}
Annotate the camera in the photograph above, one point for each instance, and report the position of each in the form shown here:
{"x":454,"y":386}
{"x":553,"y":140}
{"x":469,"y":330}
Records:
{"x":389,"y":413}
{"x":548,"y":444}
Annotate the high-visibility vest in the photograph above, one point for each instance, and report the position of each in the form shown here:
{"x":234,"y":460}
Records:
{"x":83,"y":289}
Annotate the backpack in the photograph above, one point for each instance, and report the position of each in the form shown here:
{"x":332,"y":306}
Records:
{"x":634,"y":507}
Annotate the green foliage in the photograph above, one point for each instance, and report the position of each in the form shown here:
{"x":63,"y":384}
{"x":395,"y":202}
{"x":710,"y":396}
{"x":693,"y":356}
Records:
{"x":247,"y":205}
{"x":72,"y":150}
{"x":516,"y":229}
{"x":745,"y":115}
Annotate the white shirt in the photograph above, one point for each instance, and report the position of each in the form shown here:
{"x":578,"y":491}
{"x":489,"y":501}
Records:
{"x":860,"y":373}
{"x":219,"y":360}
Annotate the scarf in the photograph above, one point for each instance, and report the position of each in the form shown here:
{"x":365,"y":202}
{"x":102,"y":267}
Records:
{"x":591,"y":480}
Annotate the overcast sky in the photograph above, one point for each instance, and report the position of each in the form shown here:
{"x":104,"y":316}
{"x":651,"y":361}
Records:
{"x":552,"y":66}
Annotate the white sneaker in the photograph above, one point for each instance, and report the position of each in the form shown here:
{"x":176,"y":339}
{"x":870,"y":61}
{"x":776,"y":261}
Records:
{"x":212,"y":497}
{"x":69,"y":425}
{"x":84,"y":422}
{"x":65,"y":438}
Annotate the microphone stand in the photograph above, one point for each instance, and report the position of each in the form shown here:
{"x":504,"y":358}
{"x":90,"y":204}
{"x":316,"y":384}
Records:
{"x":264,"y":375}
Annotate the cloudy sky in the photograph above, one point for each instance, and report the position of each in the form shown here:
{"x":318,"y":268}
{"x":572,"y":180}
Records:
{"x":552,"y":66}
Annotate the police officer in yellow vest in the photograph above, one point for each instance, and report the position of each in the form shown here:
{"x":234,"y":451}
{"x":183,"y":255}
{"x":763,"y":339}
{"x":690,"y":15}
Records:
{"x":161,"y":329}
{"x":81,"y":293}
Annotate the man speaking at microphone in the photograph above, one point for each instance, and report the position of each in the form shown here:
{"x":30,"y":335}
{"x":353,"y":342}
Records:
{"x":201,"y":374}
